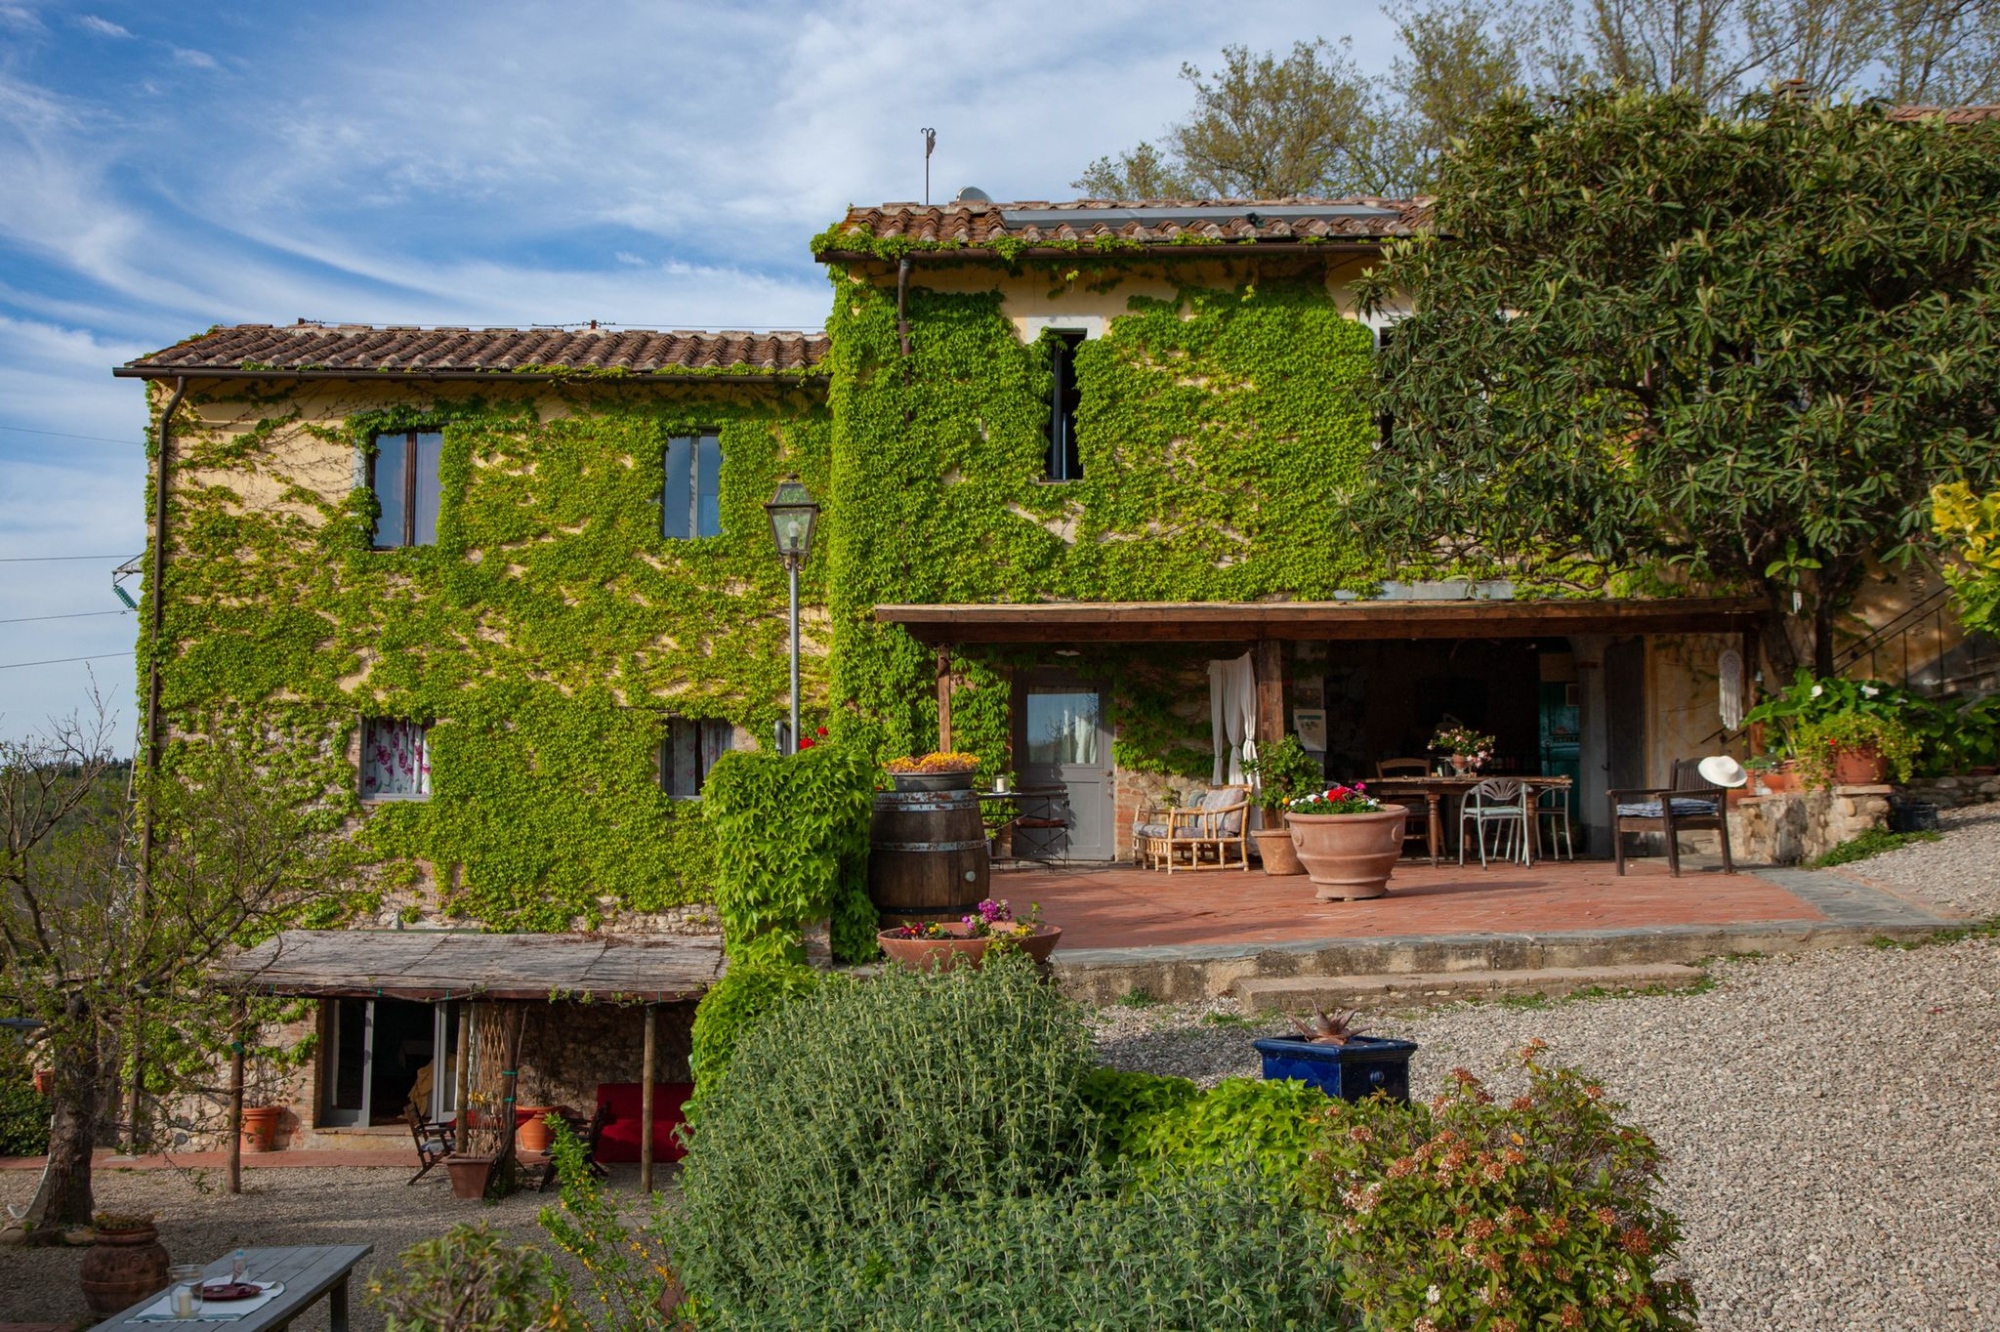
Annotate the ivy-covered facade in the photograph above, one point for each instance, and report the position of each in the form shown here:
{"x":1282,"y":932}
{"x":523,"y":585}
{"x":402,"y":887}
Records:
{"x":1087,"y":407}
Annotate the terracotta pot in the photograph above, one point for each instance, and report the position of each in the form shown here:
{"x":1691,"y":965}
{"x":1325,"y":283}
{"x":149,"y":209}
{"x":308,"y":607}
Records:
{"x":260,"y":1127}
{"x":1349,"y":856}
{"x":122,"y":1268}
{"x":531,"y":1134}
{"x":45,"y":1082}
{"x":469,"y":1174}
{"x":944,"y":954}
{"x":1279,"y":854}
{"x":1781,"y":780}
{"x":1859,"y":767}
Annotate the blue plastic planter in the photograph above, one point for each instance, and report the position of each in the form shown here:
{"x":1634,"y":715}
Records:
{"x":1352,"y":1072}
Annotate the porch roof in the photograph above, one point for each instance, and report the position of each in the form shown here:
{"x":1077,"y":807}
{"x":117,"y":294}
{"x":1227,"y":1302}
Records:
{"x":430,"y":965}
{"x":1237,"y":621}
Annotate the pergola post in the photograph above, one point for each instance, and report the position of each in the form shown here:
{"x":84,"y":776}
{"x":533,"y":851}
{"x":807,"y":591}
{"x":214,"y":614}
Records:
{"x":944,"y":697}
{"x":1267,"y":661}
{"x":648,"y":1065}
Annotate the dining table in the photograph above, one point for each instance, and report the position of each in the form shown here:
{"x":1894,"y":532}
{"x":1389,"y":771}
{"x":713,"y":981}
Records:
{"x":1438,"y":789}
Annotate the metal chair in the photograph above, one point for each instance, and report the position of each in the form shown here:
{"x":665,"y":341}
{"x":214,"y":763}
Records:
{"x":1552,"y":804}
{"x":1499,"y":801}
{"x":1403,"y":767}
{"x":1691,"y":804}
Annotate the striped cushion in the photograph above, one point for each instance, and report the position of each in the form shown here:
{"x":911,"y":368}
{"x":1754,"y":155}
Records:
{"x":1684,"y":807}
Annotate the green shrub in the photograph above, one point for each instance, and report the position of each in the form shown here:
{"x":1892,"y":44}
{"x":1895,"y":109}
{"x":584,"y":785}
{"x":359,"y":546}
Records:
{"x":1125,"y":1102}
{"x":1275,"y":1126}
{"x":1872,"y":842}
{"x":1196,"y":1254}
{"x":791,"y":832}
{"x":863,"y":1100}
{"x":468,"y":1281}
{"x":1469,"y":1214}
{"x":746,"y":992}
{"x":24,"y":1112}
{"x":625,"y":1268}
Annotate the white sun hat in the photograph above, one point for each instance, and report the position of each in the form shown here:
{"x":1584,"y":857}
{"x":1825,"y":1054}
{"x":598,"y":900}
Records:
{"x":1723,"y":771}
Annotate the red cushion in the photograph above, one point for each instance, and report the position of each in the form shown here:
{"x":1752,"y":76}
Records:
{"x":621,"y":1136}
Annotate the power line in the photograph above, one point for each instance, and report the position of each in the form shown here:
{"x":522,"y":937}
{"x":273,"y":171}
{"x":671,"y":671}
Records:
{"x":47,"y":559}
{"x":73,"y":615}
{"x":57,"y":434}
{"x":59,"y":661}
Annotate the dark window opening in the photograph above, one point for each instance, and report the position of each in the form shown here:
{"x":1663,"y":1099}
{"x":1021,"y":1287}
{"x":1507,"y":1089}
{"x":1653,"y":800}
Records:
{"x":691,"y":497}
{"x":403,"y":473}
{"x":1063,"y":462}
{"x":1385,"y":420}
{"x":692,"y":746}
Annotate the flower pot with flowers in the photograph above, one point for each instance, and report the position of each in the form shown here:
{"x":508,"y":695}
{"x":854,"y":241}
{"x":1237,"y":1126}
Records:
{"x":1284,"y":772}
{"x":1469,"y":751}
{"x":940,"y":946}
{"x":1348,"y":841}
{"x":1844,"y":732}
{"x":939,"y":771}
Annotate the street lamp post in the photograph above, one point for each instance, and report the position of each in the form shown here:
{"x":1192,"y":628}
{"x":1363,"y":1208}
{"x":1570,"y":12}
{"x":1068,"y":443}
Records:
{"x":793,"y":513}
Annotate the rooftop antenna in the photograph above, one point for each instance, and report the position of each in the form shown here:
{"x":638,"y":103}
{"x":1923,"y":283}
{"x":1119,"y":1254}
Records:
{"x":930,"y":146}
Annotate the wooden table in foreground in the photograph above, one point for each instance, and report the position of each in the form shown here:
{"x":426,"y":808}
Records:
{"x":1436,"y":790}
{"x":307,"y":1272}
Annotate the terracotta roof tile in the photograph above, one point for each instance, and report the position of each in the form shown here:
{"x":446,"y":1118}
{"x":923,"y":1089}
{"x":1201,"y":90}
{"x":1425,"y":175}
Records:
{"x":1153,"y":222}
{"x":322,"y":348}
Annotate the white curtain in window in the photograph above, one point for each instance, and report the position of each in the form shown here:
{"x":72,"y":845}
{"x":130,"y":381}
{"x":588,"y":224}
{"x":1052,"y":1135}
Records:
{"x":1232,"y":708}
{"x":395,"y":758}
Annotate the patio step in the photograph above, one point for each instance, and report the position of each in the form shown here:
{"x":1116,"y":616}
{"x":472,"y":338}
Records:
{"x":1422,"y":988}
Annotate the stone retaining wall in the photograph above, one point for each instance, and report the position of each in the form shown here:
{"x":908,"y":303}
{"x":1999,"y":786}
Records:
{"x":1793,"y":826}
{"x":1952,"y":792}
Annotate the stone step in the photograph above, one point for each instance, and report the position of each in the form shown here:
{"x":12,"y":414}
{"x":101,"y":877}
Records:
{"x":1421,"y":988}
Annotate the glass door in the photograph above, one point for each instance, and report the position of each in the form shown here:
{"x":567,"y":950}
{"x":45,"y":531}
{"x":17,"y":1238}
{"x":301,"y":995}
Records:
{"x":349,"y":1041}
{"x":1061,"y":741}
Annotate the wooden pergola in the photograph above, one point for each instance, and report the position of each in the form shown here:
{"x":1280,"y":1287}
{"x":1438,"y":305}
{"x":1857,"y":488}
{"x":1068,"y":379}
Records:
{"x":431,"y":966}
{"x":1266,"y":625}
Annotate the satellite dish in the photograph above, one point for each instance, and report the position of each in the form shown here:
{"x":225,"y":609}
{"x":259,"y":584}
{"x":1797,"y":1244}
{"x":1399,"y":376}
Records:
{"x":972,"y":194}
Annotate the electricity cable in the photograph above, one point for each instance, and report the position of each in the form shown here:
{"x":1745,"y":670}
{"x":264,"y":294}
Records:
{"x":58,"y":434}
{"x":59,"y":661}
{"x":49,"y":559}
{"x":73,"y":615}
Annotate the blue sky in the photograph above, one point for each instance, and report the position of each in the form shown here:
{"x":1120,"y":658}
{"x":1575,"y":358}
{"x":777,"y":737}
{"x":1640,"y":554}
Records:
{"x":168,"y":167}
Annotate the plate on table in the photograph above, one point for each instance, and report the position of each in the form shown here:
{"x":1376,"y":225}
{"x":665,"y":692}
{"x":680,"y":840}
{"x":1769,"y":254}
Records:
{"x":230,"y":1290}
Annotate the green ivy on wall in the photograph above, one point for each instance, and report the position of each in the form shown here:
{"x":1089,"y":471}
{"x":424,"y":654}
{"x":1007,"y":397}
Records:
{"x":548,"y":635}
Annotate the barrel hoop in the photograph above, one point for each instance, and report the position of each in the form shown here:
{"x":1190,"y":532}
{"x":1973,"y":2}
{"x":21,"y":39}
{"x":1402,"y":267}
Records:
{"x":924,"y":803}
{"x":927,"y":846}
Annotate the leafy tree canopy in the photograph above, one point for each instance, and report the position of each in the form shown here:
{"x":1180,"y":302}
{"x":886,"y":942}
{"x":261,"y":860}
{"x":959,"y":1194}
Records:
{"x":1646,"y":339}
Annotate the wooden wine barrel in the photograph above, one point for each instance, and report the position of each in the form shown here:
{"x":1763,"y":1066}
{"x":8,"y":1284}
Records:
{"x":926,"y":856}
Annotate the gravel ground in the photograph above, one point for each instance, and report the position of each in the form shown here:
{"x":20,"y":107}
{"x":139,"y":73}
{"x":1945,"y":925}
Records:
{"x":1962,"y":871}
{"x":1829,"y":1120}
{"x":197,"y":1220}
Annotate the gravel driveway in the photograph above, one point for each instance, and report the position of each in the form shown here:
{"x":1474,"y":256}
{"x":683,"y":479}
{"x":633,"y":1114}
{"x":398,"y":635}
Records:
{"x":1831,"y":1120}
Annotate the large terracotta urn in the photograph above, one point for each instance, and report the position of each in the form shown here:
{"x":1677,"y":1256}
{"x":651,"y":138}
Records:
{"x":123,"y":1267}
{"x":260,"y":1127}
{"x":1349,"y":856}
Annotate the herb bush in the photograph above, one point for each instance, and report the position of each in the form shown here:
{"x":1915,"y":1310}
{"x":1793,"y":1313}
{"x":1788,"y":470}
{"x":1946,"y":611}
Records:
{"x":467,"y":1280}
{"x":746,"y":993}
{"x":864,"y":1100}
{"x":791,"y":844}
{"x":1192,"y":1254}
{"x":1470,"y":1214}
{"x":1169,"y":1125}
{"x":24,"y":1112}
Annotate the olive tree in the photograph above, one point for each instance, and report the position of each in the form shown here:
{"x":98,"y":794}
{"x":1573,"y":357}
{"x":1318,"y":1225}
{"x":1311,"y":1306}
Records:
{"x":1652,"y":345}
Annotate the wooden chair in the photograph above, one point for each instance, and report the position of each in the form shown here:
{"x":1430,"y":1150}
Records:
{"x":434,"y":1141}
{"x":1691,"y":804}
{"x":1501,"y":802}
{"x":1552,"y":804}
{"x":1219,"y":822}
{"x":1403,"y":767}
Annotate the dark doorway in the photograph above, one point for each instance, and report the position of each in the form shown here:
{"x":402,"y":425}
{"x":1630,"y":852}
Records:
{"x":375,"y":1052}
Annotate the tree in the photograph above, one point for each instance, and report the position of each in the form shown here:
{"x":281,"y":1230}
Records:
{"x":1651,"y":345}
{"x":1969,"y":524}
{"x":1940,"y":51}
{"x":1262,"y":128}
{"x":96,"y":943}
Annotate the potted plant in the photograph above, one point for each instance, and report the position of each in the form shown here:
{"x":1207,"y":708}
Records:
{"x":1348,"y":840}
{"x":531,"y":1133}
{"x":126,"y":1263}
{"x":1467,"y":749}
{"x":1340,"y":1061}
{"x":260,"y":1127}
{"x":942,"y":945}
{"x":1284,"y":772}
{"x":938,"y":771}
{"x":477,"y":1149}
{"x":1855,"y":749}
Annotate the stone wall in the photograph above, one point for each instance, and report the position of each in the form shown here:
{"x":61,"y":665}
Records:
{"x":1793,"y":826}
{"x":1952,"y":792}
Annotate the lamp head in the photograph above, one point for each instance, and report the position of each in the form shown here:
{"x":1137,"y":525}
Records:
{"x":792,"y":512}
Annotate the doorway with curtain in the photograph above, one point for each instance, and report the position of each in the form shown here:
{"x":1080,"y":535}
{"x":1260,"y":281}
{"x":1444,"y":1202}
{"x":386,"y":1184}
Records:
{"x":379,"y":1055}
{"x":1061,"y":739}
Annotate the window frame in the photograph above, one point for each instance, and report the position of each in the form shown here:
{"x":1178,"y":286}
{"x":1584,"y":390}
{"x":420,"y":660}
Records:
{"x":664,"y":754}
{"x":1061,"y":456}
{"x":408,"y":486}
{"x":694,"y":440}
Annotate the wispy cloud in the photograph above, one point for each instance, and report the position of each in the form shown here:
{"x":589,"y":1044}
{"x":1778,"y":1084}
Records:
{"x":101,"y":26}
{"x":198,"y":59}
